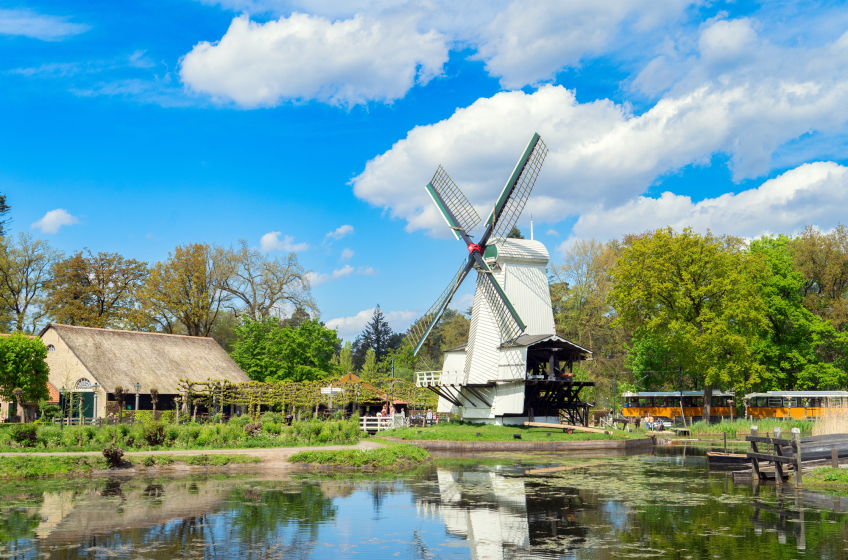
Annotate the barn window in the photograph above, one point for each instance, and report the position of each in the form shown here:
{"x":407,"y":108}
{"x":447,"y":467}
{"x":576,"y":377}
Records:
{"x":51,"y":348}
{"x":83,"y":384}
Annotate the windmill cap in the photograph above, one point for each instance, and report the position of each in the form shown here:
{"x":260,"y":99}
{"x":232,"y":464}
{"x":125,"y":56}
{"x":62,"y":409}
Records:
{"x":523,"y":251}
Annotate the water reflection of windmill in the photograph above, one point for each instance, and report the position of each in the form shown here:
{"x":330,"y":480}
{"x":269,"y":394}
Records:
{"x":501,"y":516}
{"x":514,"y":367}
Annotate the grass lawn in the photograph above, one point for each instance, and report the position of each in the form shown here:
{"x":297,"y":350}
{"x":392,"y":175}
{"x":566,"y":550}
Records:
{"x":392,"y":456}
{"x":463,"y":431}
{"x":28,"y":466}
{"x":827,"y":478}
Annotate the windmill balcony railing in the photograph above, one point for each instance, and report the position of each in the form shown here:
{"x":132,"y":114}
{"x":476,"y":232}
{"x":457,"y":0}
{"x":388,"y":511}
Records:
{"x":427,"y":378}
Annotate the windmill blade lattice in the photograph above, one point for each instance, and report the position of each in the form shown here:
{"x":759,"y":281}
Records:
{"x":511,"y":209}
{"x":453,"y":198}
{"x":509,"y":325}
{"x":418,"y":332}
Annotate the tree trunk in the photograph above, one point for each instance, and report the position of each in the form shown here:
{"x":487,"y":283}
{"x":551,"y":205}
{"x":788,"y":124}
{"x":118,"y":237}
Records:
{"x":708,"y":401}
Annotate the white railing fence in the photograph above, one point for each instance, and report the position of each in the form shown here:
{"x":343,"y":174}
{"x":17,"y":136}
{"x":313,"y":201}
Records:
{"x":378,"y":424}
{"x":427,"y":378}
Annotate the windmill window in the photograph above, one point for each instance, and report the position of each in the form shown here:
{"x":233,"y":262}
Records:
{"x":83,"y":384}
{"x":51,"y":348}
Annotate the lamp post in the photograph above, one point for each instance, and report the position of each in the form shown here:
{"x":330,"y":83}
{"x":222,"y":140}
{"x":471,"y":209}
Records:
{"x":137,"y":389}
{"x":62,"y":395}
{"x":95,"y":387}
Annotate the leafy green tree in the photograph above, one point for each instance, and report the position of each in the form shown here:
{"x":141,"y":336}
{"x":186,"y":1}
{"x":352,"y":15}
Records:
{"x":369,"y":368}
{"x":345,"y":359}
{"x":25,"y":272}
{"x":95,"y":290}
{"x":186,"y":293}
{"x":822,"y":259}
{"x":799,"y":350}
{"x":269,"y":351}
{"x":697,"y":296}
{"x":23,"y":365}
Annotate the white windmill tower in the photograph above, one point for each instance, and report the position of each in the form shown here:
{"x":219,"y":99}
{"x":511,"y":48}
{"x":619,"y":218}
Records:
{"x":514,"y":367}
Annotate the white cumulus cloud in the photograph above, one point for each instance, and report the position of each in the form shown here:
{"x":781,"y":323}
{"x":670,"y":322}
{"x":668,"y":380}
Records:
{"x":367,"y":271}
{"x":54,"y":219}
{"x":347,"y":254}
{"x":38,"y":26}
{"x":813,"y":193}
{"x":349,"y":327}
{"x":303,"y":57}
{"x":339,"y":232}
{"x":531,"y":41}
{"x":600,"y":153}
{"x":271,"y":242}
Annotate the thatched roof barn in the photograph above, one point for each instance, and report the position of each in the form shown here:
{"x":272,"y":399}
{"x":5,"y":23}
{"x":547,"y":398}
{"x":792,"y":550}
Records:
{"x":80,"y":357}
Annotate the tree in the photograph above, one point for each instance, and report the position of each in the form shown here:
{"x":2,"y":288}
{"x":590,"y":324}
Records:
{"x":377,"y":336}
{"x":822,"y":259}
{"x":697,"y":296}
{"x":261,"y":286}
{"x":514,"y":233}
{"x":4,"y":209}
{"x":799,"y":350}
{"x":455,"y":331}
{"x":154,"y":399}
{"x":346,"y":358}
{"x":298,"y":317}
{"x":25,"y":269}
{"x":23,"y":366}
{"x":268,"y":351}
{"x":580,"y":284}
{"x":95,"y":290}
{"x":369,"y":368}
{"x":186,"y":293}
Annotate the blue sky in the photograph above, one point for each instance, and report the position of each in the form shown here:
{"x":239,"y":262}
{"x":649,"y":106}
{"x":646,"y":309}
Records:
{"x":313,"y":126}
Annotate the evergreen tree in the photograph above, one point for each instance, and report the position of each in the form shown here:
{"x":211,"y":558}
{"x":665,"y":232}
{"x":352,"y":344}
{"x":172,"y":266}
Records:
{"x":377,"y":336}
{"x":4,"y":209}
{"x":514,"y":233}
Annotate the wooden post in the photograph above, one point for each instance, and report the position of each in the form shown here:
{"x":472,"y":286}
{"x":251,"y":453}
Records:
{"x":778,"y":466}
{"x":725,"y":441}
{"x":834,"y":458}
{"x":755,"y":463}
{"x":796,"y":452}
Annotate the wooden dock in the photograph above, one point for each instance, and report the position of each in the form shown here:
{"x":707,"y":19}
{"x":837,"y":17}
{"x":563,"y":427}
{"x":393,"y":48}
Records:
{"x":796,"y":455}
{"x":567,"y":428}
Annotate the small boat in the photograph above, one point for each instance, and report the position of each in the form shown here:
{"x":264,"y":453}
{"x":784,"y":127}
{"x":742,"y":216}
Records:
{"x":718,"y":459}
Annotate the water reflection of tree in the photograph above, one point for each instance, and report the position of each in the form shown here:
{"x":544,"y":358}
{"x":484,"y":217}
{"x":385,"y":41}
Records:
{"x":767,"y":527}
{"x":257,"y":514}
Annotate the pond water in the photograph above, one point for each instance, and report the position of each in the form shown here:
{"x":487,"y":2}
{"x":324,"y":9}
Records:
{"x":659,"y":505}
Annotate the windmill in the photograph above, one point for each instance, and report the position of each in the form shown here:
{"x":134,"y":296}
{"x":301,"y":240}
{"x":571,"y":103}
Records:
{"x":512,"y":340}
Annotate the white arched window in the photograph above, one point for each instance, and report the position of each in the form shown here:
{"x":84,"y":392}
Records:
{"x":83,"y":384}
{"x":51,"y":348}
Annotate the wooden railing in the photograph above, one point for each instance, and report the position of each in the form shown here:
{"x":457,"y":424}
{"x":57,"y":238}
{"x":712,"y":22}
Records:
{"x":795,"y":453}
{"x":378,"y":424}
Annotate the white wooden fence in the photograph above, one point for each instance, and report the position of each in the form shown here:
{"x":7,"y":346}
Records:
{"x":374,"y":424}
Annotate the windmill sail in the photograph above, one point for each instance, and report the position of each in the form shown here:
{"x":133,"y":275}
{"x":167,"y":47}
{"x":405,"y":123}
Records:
{"x":517,"y":190}
{"x":447,"y":196}
{"x":419,"y":331}
{"x":506,"y":317}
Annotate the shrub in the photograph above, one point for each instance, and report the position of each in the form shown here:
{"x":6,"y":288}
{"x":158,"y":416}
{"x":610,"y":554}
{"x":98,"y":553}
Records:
{"x":148,"y":461}
{"x":253,"y":429}
{"x":25,"y":434}
{"x":154,"y":433}
{"x":114,"y":456}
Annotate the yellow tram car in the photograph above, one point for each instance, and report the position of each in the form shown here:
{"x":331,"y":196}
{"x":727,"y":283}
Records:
{"x":793,"y":404}
{"x":666,"y":404}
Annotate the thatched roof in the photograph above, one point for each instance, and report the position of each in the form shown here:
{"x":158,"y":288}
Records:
{"x":125,"y":358}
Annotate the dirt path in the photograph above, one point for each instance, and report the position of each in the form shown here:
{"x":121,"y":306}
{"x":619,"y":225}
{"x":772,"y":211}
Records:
{"x":271,"y":457}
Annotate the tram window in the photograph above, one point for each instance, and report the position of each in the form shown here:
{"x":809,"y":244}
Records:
{"x":645,"y":401}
